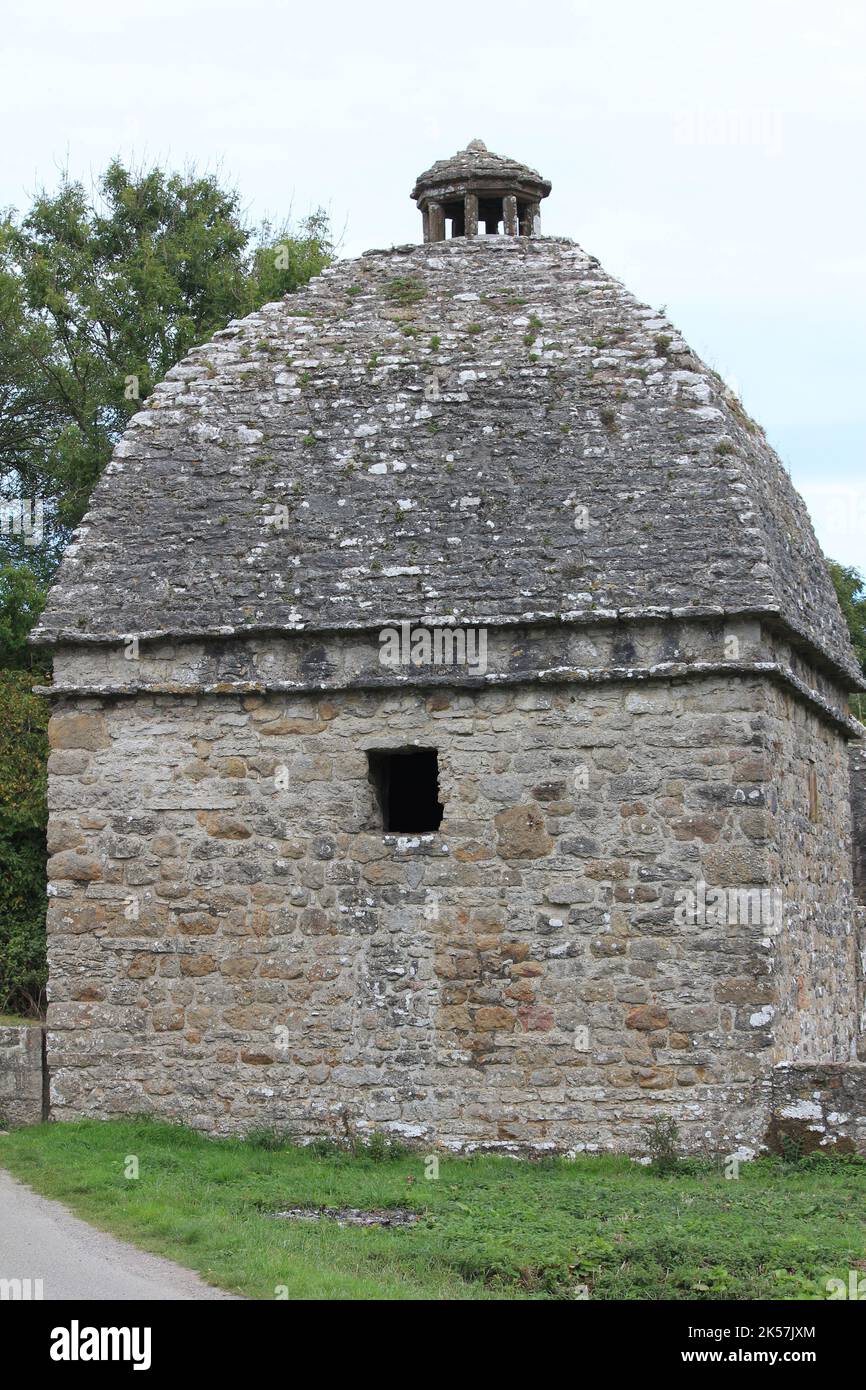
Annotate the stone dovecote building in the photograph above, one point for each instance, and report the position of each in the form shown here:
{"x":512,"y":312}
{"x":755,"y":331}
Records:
{"x":450,"y":727}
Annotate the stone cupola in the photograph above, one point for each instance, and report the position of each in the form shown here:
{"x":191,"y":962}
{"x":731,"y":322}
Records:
{"x":476,"y":189}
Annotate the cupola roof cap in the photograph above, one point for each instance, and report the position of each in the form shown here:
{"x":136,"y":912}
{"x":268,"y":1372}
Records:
{"x":476,"y":169}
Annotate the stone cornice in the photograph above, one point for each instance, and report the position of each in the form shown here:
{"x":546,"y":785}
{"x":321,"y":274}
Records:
{"x":192,"y":671}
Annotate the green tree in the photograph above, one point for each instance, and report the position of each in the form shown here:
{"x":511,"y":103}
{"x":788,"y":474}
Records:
{"x":23,"y":751}
{"x":851,"y":592}
{"x":100,"y":294}
{"x":22,"y":596}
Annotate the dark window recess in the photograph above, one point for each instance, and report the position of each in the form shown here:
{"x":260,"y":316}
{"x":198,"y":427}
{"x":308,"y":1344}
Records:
{"x":490,"y":215}
{"x":454,"y":214}
{"x":406,"y":781}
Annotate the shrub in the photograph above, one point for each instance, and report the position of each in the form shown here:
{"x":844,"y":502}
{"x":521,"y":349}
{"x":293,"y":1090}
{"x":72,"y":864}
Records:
{"x":662,"y":1138}
{"x":270,"y":1139}
{"x":379,"y":1148}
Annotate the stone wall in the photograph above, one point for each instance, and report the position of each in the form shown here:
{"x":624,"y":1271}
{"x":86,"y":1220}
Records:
{"x":815,"y":958}
{"x":819,"y":1106}
{"x":21,"y":1090}
{"x":858,"y":807}
{"x":235,"y":942}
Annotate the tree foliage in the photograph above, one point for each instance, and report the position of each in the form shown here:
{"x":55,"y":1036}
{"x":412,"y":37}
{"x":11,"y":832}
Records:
{"x":23,"y":751}
{"x":851,"y":592}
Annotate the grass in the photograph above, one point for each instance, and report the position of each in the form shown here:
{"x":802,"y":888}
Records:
{"x":16,"y":1020}
{"x":491,"y":1227}
{"x":405,"y":290}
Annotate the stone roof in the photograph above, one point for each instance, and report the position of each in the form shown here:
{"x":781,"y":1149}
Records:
{"x":476,"y":165}
{"x":490,"y":429}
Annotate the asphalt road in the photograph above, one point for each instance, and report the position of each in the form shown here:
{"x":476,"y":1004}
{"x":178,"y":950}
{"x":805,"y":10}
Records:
{"x":40,"y":1239}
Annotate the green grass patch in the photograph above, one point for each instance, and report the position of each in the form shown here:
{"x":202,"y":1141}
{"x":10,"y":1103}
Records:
{"x":490,"y":1226}
{"x":405,"y":290}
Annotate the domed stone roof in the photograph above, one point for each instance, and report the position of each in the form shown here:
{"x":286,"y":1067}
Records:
{"x":478,"y":165}
{"x":490,"y":429}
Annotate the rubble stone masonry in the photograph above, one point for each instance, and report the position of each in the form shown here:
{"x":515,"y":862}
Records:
{"x":234,"y":940}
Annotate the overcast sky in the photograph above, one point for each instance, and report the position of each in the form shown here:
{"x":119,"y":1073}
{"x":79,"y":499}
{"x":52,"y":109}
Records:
{"x":711,"y":155}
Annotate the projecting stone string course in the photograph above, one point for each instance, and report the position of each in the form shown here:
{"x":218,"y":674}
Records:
{"x":246,"y":925}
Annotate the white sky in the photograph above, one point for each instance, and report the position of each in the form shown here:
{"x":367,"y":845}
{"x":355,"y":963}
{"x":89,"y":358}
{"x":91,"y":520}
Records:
{"x":711,"y":155}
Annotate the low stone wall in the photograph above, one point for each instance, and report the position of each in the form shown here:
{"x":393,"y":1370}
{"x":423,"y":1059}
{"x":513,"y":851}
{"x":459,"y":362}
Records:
{"x":819,"y":1105}
{"x":21,"y":1090}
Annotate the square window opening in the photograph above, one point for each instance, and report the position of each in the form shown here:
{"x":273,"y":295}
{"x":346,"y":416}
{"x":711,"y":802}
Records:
{"x":406,"y":783}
